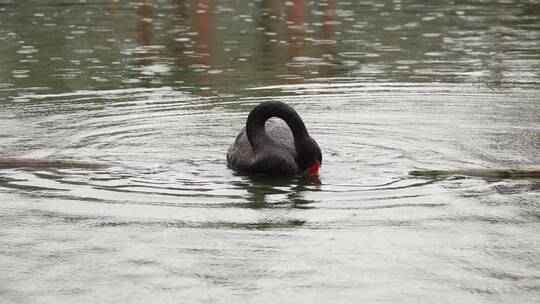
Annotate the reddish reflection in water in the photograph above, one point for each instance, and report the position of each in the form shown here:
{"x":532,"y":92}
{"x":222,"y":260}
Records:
{"x":144,"y":29}
{"x":329,"y":36}
{"x":112,"y":7}
{"x":296,"y":18}
{"x":203,"y":39}
{"x":283,"y":37}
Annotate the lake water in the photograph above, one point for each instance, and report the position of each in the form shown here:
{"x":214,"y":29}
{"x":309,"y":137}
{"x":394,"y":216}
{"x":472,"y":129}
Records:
{"x":160,"y":89}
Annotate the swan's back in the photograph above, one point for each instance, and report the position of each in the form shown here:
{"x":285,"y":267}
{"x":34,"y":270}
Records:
{"x":277,"y":157}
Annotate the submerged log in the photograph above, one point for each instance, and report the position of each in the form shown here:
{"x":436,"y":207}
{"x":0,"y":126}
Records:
{"x":13,"y":162}
{"x":500,"y":173}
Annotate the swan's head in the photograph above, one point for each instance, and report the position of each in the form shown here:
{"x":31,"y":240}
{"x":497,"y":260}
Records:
{"x":309,"y":156}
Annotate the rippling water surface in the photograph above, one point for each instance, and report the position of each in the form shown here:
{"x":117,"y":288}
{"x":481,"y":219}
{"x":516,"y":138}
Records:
{"x":159,"y":89}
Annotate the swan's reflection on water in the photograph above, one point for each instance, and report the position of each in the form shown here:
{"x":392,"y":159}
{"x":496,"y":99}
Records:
{"x":267,"y":191}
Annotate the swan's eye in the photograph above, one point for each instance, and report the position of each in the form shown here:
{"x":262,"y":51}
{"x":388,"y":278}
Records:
{"x":314,"y":169}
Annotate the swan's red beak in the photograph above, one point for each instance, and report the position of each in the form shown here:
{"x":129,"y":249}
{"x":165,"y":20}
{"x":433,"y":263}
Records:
{"x":314,"y":169}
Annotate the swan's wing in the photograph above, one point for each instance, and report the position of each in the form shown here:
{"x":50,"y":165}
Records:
{"x":280,"y":133}
{"x":277,"y":156}
{"x":240,"y":154}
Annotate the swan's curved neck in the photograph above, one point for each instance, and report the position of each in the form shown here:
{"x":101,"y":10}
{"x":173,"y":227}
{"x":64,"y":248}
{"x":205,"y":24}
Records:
{"x":260,"y":114}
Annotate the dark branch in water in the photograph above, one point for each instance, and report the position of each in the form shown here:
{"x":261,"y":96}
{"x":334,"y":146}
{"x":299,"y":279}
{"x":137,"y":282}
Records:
{"x":10,"y":162}
{"x":500,"y":173}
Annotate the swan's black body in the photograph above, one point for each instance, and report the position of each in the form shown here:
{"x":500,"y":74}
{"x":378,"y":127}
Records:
{"x":274,"y":146}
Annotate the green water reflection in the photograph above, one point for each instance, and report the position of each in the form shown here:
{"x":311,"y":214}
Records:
{"x":224,"y":46}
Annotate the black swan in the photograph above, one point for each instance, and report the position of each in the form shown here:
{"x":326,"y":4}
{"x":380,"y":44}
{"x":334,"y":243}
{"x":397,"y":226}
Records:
{"x":274,"y":146}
